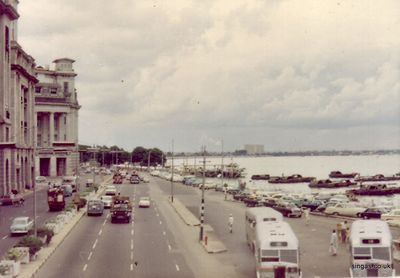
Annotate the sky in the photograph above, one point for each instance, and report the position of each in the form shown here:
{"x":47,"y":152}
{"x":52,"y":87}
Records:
{"x":291,"y":75}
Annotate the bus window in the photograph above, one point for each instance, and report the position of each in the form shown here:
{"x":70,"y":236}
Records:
{"x":381,"y":253}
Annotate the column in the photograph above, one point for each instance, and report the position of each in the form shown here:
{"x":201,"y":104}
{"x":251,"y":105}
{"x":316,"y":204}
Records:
{"x":51,"y":128}
{"x":53,"y":166}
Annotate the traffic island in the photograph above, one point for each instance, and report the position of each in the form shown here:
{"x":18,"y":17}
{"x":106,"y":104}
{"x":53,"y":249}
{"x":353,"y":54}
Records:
{"x":210,"y":241}
{"x":186,"y":215}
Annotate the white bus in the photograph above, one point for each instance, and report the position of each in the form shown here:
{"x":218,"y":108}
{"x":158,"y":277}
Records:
{"x":277,"y":251}
{"x":255,"y":216}
{"x":371,"y":249}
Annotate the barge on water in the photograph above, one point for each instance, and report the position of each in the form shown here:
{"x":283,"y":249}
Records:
{"x":291,"y":179}
{"x":379,"y":177}
{"x":374,"y":190}
{"x":330,"y":184}
{"x":340,"y":175}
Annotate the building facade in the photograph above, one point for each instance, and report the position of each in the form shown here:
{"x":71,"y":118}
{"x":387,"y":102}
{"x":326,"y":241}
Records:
{"x":56,"y":120}
{"x":17,"y":85}
{"x":252,"y":149}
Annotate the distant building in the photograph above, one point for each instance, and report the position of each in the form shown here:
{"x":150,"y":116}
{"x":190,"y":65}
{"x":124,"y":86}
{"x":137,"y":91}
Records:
{"x":17,"y":81}
{"x":252,"y":149}
{"x":57,"y":120}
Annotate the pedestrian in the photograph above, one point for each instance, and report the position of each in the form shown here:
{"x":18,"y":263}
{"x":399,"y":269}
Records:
{"x":307,"y":215}
{"x":230,"y":223}
{"x":339,"y":230}
{"x":333,"y":243}
{"x":344,"y":232}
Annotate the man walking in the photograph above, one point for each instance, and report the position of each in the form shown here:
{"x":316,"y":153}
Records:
{"x":344,"y":232}
{"x":307,"y":215}
{"x":230,"y":223}
{"x":333,"y":243}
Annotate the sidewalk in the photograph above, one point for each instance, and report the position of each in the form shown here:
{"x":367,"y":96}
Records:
{"x":211,"y":243}
{"x":30,"y":269}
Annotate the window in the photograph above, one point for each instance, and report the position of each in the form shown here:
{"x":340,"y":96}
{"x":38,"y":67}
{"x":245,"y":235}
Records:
{"x":289,"y":256}
{"x":65,"y":119}
{"x":38,"y":90}
{"x":53,"y":91}
{"x":7,"y":38}
{"x":381,"y":253}
{"x":7,"y":134}
{"x":65,"y":87}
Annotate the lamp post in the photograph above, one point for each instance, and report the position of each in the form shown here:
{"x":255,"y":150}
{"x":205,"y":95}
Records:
{"x":202,"y":196}
{"x":222,"y":169}
{"x":172,"y":173}
{"x":148,"y":161}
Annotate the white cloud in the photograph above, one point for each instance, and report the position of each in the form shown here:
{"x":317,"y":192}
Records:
{"x":239,"y":69}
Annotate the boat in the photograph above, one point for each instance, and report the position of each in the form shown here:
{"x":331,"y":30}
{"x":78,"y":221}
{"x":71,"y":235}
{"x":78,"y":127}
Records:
{"x":260,"y":177}
{"x":291,"y":179}
{"x":338,"y":174}
{"x":330,"y":184}
{"x":371,"y":190}
{"x":378,"y":177}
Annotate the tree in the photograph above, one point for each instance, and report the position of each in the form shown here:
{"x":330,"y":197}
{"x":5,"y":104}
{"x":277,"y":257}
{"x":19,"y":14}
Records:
{"x":139,"y":154}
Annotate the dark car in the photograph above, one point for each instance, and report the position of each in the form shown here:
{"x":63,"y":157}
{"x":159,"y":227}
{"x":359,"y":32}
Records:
{"x":240,"y":196}
{"x":373,"y":213}
{"x":269,"y":202}
{"x":312,"y":205}
{"x":134,"y":179}
{"x":288,"y":209}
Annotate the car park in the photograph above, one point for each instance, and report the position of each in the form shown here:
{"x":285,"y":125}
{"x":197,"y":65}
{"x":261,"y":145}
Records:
{"x":345,"y":209}
{"x":107,"y":201}
{"x":144,"y":202}
{"x":21,"y":225}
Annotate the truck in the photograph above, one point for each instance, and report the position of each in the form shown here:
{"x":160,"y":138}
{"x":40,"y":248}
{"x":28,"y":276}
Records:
{"x":117,"y":178}
{"x":121,"y":209}
{"x":55,"y":199}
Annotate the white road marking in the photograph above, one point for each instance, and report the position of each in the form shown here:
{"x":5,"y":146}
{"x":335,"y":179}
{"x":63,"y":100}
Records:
{"x":160,"y":222}
{"x":131,"y":255}
{"x":164,"y":233}
{"x":158,"y":215}
{"x":177,"y":267}
{"x":101,"y":231}
{"x":131,"y":267}
{"x":132,"y":232}
{"x":4,"y":237}
{"x":169,"y":247}
{"x":94,"y":245}
{"x":84,"y":267}
{"x":90,"y":256}
{"x":131,"y":244}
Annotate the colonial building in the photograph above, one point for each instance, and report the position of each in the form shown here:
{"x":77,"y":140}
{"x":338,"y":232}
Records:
{"x":17,"y":84}
{"x":57,"y":120}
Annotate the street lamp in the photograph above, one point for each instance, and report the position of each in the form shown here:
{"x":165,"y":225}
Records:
{"x":148,"y":161}
{"x":202,"y":196}
{"x":172,"y":173}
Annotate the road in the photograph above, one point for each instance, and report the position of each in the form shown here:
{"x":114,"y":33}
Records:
{"x":7,"y":213}
{"x":146,"y":247}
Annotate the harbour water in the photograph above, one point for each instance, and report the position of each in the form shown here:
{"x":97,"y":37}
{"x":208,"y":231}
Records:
{"x":315,"y":166}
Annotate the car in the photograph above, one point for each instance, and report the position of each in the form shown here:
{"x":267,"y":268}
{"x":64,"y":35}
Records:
{"x":21,"y":225}
{"x":146,"y":179}
{"x":144,"y":202}
{"x":67,"y":190}
{"x":392,"y":215}
{"x":107,"y":201}
{"x":134,"y":180}
{"x":41,"y":179}
{"x":288,"y":209}
{"x":110,"y":190}
{"x":345,"y":209}
{"x":207,"y":186}
{"x":95,"y":207}
{"x":375,"y":212}
{"x":89,"y":182}
{"x":312,"y":205}
{"x":13,"y":199}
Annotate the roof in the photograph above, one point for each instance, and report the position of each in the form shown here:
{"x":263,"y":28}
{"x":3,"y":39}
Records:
{"x":370,"y":229}
{"x":63,"y":59}
{"x":21,"y":218}
{"x":267,"y":232}
{"x":260,"y":213}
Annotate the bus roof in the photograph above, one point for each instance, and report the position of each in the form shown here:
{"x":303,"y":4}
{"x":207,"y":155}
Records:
{"x":370,"y":229}
{"x":263,"y":213}
{"x":276,"y":235}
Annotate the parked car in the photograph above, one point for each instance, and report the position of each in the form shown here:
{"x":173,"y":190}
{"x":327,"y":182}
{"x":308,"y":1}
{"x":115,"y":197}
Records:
{"x":41,"y":179}
{"x":8,"y":200}
{"x":269,"y":202}
{"x":21,"y":225}
{"x":288,"y":209}
{"x":111,"y":190}
{"x":144,"y":202}
{"x":67,"y":190}
{"x":375,"y":212}
{"x":107,"y":201}
{"x":345,"y":209}
{"x":134,"y":180}
{"x":392,"y":215}
{"x":95,"y":207}
{"x":312,"y":205}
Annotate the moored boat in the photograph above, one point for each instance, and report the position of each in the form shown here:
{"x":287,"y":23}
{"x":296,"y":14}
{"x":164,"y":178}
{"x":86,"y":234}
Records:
{"x":330,"y":184}
{"x":371,"y":190}
{"x":260,"y":177}
{"x":338,"y":174}
{"x":379,"y":177}
{"x":291,"y":179}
